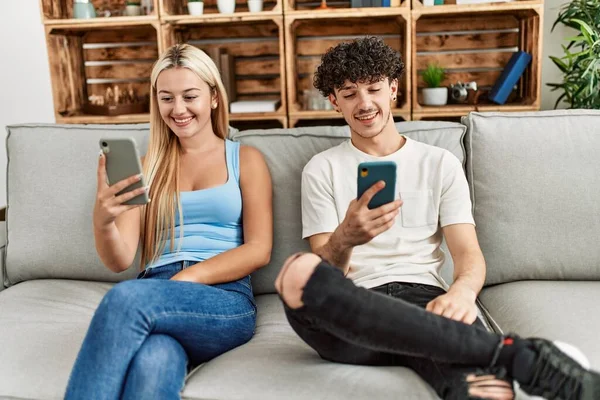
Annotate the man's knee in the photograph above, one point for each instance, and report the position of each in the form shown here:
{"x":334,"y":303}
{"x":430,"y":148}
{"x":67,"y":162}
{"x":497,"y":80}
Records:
{"x":293,"y":276}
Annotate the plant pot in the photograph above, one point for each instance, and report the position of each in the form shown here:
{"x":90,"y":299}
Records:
{"x":435,"y":96}
{"x":133,"y":10}
{"x":255,"y":5}
{"x":195,"y":7}
{"x":226,"y":6}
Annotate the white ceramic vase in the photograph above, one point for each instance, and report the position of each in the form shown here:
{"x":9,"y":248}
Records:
{"x":195,"y":7}
{"x":226,"y":6}
{"x":133,"y":10}
{"x":435,"y":96}
{"x":255,"y":5}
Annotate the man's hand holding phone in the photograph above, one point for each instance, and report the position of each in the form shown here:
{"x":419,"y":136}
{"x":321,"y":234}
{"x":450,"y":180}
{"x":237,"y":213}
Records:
{"x":109,"y":205}
{"x":362,"y":224}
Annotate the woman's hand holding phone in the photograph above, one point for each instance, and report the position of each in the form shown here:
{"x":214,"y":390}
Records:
{"x":362,"y":224}
{"x":109,"y":205}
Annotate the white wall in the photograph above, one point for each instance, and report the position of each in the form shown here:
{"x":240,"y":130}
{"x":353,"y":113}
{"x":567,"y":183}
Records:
{"x":552,"y":47}
{"x":25,"y":92}
{"x":25,"y":77}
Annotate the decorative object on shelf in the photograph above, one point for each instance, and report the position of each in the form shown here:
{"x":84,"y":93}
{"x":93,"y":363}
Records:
{"x":509,"y":77}
{"x":117,"y":102}
{"x":254,"y":106}
{"x":147,"y":7}
{"x":433,"y":94}
{"x":580,"y":70}
{"x":313,"y":100}
{"x":133,"y":8}
{"x":463,"y":93}
{"x":324,"y":6}
{"x":83,"y":9}
{"x":226,"y":6}
{"x":255,"y":5}
{"x":481,"y":1}
{"x":429,"y":3}
{"x":195,"y":7}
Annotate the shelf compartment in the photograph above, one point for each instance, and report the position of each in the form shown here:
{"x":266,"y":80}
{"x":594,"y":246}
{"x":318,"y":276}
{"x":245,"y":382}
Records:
{"x":85,"y":62}
{"x":307,"y":39}
{"x":336,"y":6}
{"x":253,"y":68}
{"x":477,"y":47}
{"x":61,"y":12}
{"x":178,"y":9}
{"x":450,"y":7}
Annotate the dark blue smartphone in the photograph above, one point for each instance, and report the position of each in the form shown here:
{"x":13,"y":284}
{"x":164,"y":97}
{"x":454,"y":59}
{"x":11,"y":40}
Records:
{"x":374,"y":171}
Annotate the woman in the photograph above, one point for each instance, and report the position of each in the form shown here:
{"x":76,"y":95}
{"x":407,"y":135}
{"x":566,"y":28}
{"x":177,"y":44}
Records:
{"x":193,"y":300}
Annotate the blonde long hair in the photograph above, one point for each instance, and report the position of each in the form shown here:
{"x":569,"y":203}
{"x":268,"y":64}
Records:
{"x":161,"y":164}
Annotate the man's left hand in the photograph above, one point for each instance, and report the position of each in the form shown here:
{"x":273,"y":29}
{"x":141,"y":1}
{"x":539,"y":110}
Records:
{"x":458,"y":304}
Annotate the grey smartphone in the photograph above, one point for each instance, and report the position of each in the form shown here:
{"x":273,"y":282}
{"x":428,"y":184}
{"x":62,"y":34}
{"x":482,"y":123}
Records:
{"x":374,"y":171}
{"x":123,"y":161}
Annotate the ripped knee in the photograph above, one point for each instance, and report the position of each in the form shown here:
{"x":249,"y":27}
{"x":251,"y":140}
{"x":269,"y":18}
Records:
{"x":489,"y":387}
{"x":293,"y":276}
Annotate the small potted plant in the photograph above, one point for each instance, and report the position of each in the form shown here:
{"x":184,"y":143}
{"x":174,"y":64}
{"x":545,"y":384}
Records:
{"x":133,"y":8}
{"x":433,"y":94}
{"x":195,"y":7}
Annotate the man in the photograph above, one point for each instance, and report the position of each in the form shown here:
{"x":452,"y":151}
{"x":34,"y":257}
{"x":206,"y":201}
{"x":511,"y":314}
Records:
{"x":371,"y":293}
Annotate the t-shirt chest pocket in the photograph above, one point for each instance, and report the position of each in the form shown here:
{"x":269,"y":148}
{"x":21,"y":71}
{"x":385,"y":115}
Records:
{"x":417,"y":209}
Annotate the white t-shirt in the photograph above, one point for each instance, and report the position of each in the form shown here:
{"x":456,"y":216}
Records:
{"x":432,"y":184}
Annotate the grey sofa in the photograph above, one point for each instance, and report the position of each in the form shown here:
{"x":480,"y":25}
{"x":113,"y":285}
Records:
{"x":535,"y":184}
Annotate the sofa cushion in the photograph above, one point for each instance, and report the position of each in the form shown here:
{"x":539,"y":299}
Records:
{"x":288,"y":150}
{"x":535,"y":184}
{"x":51,"y":187}
{"x":276,"y":365}
{"x":43,"y":323}
{"x":566,"y":311}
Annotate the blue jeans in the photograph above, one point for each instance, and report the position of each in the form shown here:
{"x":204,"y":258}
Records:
{"x":146,"y":332}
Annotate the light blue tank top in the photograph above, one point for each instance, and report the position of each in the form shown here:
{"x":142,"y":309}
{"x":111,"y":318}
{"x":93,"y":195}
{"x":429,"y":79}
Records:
{"x":212,"y":218}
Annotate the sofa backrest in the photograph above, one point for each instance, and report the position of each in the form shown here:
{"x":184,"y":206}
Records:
{"x":51,"y":188}
{"x":535,"y":186}
{"x":288,"y":150}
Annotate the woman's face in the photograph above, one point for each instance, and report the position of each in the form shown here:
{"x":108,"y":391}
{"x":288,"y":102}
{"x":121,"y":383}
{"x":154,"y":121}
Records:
{"x":185,"y":101}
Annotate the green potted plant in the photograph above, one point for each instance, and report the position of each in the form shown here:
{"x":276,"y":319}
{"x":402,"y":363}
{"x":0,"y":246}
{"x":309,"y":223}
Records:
{"x":195,"y":7}
{"x":580,"y":64}
{"x":434,"y":94}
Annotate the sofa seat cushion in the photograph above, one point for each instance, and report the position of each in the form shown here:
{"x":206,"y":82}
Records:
{"x":276,"y":364}
{"x":566,"y":311}
{"x":43,"y":325}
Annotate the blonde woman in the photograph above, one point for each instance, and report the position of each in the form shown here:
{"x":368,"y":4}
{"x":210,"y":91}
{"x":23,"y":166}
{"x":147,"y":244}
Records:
{"x":207,"y":227}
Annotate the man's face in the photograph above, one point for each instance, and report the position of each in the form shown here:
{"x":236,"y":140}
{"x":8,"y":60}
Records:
{"x":366,"y":106}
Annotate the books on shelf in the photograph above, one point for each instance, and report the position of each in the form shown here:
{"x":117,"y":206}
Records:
{"x":254,"y":106}
{"x":509,"y":77}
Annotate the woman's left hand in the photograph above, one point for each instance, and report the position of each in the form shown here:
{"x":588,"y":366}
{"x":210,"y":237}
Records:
{"x":185,"y":276}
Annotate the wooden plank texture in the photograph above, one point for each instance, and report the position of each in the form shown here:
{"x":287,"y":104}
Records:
{"x":497,"y":59}
{"x":353,"y":26}
{"x":483,"y":78}
{"x":253,"y":66}
{"x":119,"y":71}
{"x":444,"y":42}
{"x":472,"y":23}
{"x":148,"y":52}
{"x":318,"y":46}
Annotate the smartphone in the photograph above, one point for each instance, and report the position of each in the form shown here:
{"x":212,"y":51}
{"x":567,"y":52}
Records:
{"x":372,"y":172}
{"x":123,"y":161}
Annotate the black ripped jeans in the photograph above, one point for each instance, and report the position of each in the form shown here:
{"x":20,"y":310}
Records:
{"x":388,"y":325}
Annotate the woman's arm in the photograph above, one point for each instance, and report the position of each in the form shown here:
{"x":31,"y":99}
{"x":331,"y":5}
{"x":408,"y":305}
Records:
{"x":257,"y":221}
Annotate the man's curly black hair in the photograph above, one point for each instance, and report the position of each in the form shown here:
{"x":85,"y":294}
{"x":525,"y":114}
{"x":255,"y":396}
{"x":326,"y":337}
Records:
{"x":366,"y":59}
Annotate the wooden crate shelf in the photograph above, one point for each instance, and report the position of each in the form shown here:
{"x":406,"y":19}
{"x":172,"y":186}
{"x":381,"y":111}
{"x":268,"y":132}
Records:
{"x":334,"y":7}
{"x":275,"y":52}
{"x":450,"y":7}
{"x":477,"y":47}
{"x":57,"y":11}
{"x":86,"y":61}
{"x":255,"y":54}
{"x":307,"y":39}
{"x":178,"y":9}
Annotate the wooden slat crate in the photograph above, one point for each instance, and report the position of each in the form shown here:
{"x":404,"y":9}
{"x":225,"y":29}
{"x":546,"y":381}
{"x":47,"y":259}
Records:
{"x":308,"y":39}
{"x":179,"y":7}
{"x":63,"y":9}
{"x":314,"y":5}
{"x":254,"y":64}
{"x":86,"y":62}
{"x":476,"y":47}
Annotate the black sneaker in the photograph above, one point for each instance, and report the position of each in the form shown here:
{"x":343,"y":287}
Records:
{"x":557,"y":376}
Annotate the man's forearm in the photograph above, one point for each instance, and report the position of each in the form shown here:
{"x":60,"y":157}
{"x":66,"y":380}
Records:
{"x":469,"y":274}
{"x":335,"y":252}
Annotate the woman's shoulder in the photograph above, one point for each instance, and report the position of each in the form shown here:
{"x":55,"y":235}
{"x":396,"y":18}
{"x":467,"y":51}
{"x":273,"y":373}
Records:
{"x":249,"y":154}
